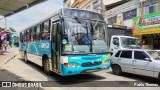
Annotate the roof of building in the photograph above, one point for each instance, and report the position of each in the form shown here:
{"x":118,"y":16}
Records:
{"x":110,"y":6}
{"x":9,"y":7}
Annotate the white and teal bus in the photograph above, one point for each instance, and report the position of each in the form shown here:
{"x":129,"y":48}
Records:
{"x":68,"y":42}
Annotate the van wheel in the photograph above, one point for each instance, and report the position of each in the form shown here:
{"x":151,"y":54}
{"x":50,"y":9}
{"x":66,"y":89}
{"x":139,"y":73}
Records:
{"x":46,"y":66}
{"x":25,"y":58}
{"x":116,"y":70}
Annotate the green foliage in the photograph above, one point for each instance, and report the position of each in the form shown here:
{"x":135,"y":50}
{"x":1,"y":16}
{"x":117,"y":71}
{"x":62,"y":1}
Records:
{"x":12,"y":29}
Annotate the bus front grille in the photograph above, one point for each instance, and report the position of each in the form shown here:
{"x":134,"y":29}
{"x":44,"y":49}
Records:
{"x":88,"y":64}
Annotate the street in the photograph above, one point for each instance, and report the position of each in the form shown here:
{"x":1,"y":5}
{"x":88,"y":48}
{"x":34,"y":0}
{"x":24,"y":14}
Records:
{"x":33,"y":72}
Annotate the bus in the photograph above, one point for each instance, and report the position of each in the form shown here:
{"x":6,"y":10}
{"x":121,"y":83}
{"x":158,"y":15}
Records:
{"x":67,"y":42}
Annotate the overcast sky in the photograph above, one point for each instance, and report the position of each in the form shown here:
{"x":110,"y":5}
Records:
{"x":25,"y":18}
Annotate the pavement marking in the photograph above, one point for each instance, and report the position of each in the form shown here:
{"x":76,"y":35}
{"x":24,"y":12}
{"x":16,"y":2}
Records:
{"x":10,"y":59}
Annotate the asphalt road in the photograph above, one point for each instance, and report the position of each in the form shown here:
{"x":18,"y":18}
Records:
{"x":97,"y":80}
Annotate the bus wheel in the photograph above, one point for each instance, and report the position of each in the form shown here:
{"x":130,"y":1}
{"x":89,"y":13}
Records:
{"x":46,"y":66}
{"x":159,"y":77}
{"x":25,"y":58}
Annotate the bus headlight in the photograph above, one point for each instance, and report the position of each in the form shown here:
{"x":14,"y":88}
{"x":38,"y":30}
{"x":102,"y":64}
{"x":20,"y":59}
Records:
{"x":71,"y":65}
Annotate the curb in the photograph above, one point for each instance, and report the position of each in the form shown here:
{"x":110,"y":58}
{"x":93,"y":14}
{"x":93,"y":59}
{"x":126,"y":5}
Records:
{"x":10,"y":59}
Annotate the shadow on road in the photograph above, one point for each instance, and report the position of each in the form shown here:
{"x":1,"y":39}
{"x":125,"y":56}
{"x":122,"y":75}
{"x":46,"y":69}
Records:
{"x":139,"y":78}
{"x":65,"y":80}
{"x":7,"y":76}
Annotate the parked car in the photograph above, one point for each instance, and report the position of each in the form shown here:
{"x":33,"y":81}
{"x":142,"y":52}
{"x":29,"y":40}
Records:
{"x":136,"y":61}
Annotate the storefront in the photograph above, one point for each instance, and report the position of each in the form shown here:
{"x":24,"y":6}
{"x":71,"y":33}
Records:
{"x":147,"y":27}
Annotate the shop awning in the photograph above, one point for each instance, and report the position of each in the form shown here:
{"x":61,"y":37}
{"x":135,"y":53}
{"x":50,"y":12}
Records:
{"x":9,"y":7}
{"x":149,"y":31}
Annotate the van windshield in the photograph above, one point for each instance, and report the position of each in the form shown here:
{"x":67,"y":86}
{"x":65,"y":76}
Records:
{"x":129,"y":43}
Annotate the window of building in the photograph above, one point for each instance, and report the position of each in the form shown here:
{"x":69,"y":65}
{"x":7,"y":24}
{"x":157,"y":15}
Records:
{"x":96,"y":5}
{"x":88,"y":7}
{"x":126,"y":54}
{"x":129,"y":14}
{"x":151,"y":8}
{"x":112,"y":20}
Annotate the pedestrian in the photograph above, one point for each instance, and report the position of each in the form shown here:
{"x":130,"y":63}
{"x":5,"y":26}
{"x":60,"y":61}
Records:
{"x":0,"y":43}
{"x":8,"y":45}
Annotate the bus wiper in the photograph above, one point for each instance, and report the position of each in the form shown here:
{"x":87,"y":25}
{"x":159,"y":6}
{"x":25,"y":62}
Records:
{"x":95,"y":24}
{"x":81,"y":22}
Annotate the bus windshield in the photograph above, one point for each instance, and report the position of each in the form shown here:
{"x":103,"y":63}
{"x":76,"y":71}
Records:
{"x":84,"y":36}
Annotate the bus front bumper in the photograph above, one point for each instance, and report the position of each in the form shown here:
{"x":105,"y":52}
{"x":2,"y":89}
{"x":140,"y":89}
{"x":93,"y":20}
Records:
{"x":82,"y":70}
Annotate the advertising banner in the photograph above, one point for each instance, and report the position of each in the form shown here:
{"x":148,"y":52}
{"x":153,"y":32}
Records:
{"x":149,"y":21}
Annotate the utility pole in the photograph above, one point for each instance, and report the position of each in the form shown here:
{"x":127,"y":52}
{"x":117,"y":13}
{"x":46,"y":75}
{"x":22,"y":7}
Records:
{"x":102,"y":7}
{"x":5,"y":24}
{"x":141,"y":6}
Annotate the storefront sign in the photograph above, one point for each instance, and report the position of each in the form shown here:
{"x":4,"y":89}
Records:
{"x":129,"y":14}
{"x":150,"y":21}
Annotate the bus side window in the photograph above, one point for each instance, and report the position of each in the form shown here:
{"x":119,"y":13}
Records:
{"x":34,"y":34}
{"x":38,"y":35}
{"x":28,"y":35}
{"x":31,"y":35}
{"x":20,"y":37}
{"x":25,"y":38}
{"x":46,"y":30}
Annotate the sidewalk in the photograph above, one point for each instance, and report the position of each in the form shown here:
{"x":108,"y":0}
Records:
{"x":6,"y":75}
{"x":9,"y":54}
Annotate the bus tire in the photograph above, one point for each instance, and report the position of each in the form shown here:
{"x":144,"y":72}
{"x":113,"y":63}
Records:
{"x":46,"y":66}
{"x":116,"y":70}
{"x":25,"y":58}
{"x":159,"y":77}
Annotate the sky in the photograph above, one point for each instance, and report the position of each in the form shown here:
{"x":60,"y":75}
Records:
{"x":29,"y":16}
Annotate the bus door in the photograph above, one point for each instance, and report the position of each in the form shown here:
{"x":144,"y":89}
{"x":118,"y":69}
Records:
{"x":55,"y":48}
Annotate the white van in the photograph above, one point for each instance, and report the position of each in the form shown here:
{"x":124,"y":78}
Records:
{"x":123,"y":42}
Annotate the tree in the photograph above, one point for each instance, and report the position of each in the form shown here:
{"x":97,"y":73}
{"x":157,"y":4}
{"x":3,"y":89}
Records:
{"x":12,"y":29}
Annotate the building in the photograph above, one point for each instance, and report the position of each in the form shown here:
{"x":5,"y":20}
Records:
{"x":122,"y":12}
{"x":91,"y":5}
{"x":76,"y":4}
{"x":68,"y":3}
{"x":147,"y":26}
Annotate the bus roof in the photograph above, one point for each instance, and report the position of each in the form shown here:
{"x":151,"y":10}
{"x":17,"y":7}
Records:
{"x":69,"y":13}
